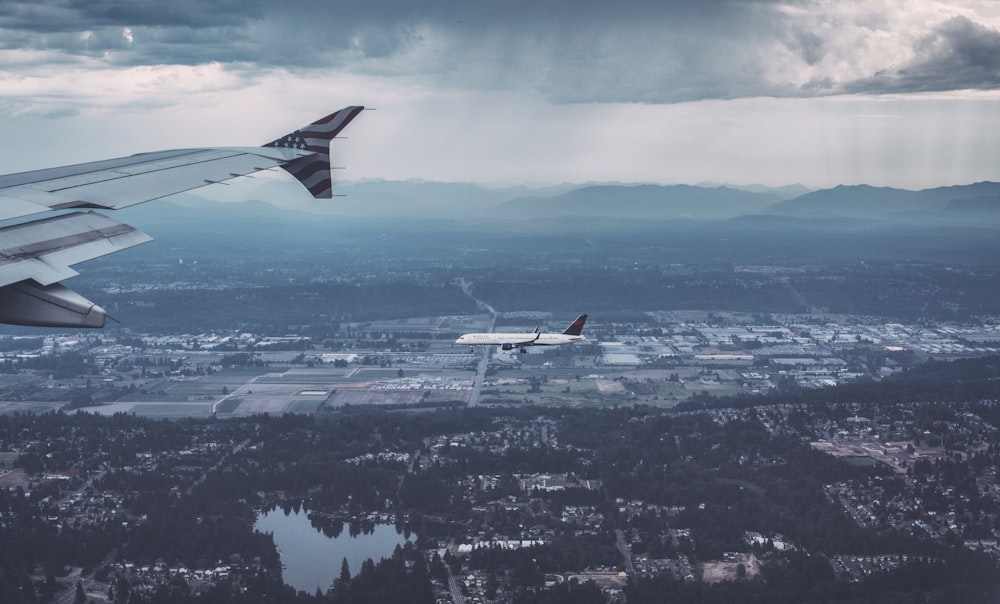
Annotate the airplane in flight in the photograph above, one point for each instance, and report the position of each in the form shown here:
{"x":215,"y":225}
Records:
{"x":510,"y":341}
{"x":36,"y":255}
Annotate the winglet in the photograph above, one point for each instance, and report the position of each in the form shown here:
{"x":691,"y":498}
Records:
{"x":576,"y":328}
{"x":316,"y":136}
{"x":313,"y":170}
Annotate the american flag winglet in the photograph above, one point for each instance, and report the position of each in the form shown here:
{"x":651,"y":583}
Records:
{"x":313,"y":171}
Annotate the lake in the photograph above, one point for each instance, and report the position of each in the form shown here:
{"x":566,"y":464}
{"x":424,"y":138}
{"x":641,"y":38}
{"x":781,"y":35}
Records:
{"x":311,"y":559}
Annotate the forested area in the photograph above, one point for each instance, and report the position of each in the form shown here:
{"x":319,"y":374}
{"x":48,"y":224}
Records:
{"x":268,"y":307}
{"x":970,"y":379}
{"x":188,"y":492}
{"x":896,"y":291}
{"x":612,"y":274}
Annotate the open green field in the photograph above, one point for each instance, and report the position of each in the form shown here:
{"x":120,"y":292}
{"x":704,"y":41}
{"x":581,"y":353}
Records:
{"x":425,"y":380}
{"x":413,"y":363}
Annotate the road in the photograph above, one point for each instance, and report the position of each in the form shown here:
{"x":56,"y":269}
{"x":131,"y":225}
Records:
{"x":456,"y":591}
{"x":237,"y":392}
{"x":487,"y":351}
{"x":409,"y":470}
{"x":204,"y":475}
{"x":477,"y":383}
{"x":623,"y":548}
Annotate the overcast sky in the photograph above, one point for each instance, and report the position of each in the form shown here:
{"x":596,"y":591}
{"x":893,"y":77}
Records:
{"x":903,"y":94}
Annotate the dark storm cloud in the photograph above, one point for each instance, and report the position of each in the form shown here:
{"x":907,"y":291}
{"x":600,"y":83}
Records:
{"x":808,"y":45}
{"x":958,"y":54}
{"x":77,"y":15}
{"x":568,"y":51}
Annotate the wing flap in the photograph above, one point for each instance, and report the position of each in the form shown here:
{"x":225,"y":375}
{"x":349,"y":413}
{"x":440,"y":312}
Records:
{"x":11,"y":207}
{"x":44,"y":250}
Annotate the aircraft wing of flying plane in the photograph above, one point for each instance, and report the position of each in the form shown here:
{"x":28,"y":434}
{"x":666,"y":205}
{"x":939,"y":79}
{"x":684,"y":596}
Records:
{"x":35,"y":255}
{"x":510,"y":341}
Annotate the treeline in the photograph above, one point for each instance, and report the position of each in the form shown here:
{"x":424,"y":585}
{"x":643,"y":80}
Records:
{"x":311,"y":300}
{"x":284,"y":307}
{"x":903,"y":291}
{"x":403,"y":578}
{"x":801,"y":578}
{"x":909,"y":291}
{"x":972,"y":379}
{"x":65,"y":365}
{"x":529,"y":564}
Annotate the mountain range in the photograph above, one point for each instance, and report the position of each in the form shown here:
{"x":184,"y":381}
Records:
{"x":471,"y":203}
{"x":687,"y":223}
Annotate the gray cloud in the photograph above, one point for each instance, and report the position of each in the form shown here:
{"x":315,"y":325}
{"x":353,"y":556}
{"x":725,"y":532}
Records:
{"x":958,"y":54}
{"x":567,"y":50}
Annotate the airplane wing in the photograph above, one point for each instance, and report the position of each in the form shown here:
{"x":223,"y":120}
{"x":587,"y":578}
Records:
{"x":537,"y":333}
{"x":36,"y":254}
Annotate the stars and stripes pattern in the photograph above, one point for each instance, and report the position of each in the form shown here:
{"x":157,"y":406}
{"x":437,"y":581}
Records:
{"x":316,"y":136}
{"x":313,"y":171}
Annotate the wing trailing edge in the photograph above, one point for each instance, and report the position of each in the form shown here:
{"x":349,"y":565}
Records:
{"x":44,"y":250}
{"x":36,"y":255}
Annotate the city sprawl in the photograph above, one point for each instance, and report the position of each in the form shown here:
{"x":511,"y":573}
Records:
{"x":693,"y":451}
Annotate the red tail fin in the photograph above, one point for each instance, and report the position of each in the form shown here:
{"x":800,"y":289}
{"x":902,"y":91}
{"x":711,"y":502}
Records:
{"x":576,"y":328}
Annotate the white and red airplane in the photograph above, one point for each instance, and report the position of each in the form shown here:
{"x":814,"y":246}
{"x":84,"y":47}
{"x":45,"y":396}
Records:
{"x":510,"y":341}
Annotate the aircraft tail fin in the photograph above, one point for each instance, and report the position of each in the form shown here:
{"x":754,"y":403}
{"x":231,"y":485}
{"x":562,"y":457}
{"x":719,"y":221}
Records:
{"x":313,"y":170}
{"x":576,"y":328}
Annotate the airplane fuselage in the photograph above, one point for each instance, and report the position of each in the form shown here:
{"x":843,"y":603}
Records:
{"x":517,"y":339}
{"x":510,"y":341}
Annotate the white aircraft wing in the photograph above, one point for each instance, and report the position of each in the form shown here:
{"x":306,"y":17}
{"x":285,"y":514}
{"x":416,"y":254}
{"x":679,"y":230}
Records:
{"x":35,"y":255}
{"x":528,"y":342}
{"x":119,"y":183}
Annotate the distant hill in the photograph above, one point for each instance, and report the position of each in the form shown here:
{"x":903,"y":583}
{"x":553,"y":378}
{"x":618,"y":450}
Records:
{"x":642,"y":202}
{"x":975,"y":204}
{"x":863,"y":201}
{"x":785,"y":192}
{"x":465,"y":202}
{"x":373,"y":198}
{"x":457,"y":204}
{"x":458,"y":200}
{"x":671,"y":223}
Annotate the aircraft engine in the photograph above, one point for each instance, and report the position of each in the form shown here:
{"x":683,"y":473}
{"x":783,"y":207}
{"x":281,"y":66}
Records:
{"x":30,"y":303}
{"x":507,"y":346}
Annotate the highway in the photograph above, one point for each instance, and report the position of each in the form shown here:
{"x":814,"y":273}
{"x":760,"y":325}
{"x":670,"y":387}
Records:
{"x":487,"y":351}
